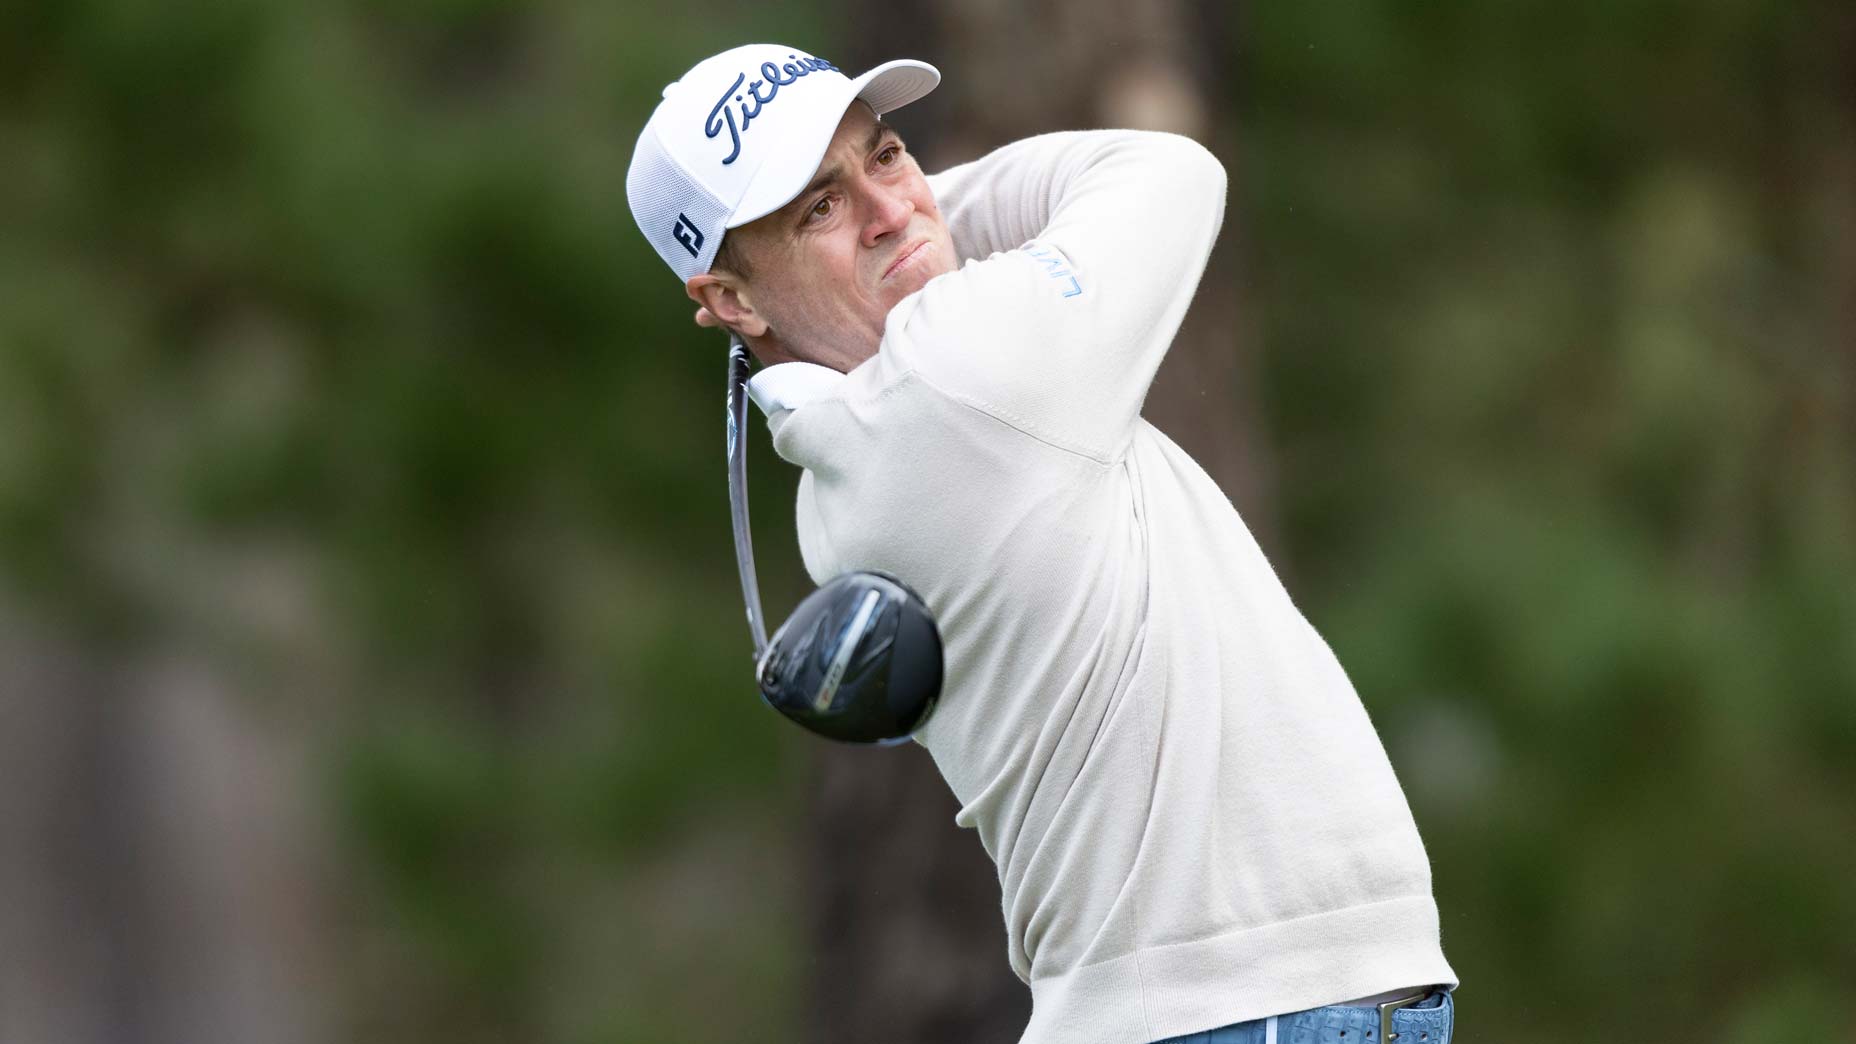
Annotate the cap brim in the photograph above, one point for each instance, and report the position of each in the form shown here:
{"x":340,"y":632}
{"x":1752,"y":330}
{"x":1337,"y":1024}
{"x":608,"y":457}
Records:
{"x":892,"y":85}
{"x":790,"y":167}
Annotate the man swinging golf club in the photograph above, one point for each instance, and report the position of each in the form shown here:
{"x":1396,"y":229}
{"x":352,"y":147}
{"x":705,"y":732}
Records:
{"x":1195,"y":826}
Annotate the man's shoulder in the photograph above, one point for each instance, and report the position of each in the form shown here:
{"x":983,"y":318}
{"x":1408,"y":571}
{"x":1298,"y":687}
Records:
{"x":984,"y":320}
{"x":985,"y":335}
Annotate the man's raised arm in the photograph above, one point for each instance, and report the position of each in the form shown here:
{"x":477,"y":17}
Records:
{"x":1086,"y":248}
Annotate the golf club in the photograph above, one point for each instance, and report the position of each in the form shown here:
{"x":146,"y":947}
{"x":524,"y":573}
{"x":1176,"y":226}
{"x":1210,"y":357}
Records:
{"x":860,"y":659}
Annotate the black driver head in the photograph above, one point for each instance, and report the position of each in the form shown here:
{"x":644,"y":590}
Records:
{"x":858,"y":661}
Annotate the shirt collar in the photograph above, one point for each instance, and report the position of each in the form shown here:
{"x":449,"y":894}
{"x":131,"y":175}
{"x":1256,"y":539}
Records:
{"x":790,"y":385}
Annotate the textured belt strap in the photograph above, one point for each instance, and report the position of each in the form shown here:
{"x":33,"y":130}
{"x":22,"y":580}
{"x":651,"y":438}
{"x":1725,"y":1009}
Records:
{"x":1385,"y":1013}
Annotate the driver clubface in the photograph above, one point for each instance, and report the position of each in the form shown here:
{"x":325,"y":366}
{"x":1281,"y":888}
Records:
{"x":858,"y":661}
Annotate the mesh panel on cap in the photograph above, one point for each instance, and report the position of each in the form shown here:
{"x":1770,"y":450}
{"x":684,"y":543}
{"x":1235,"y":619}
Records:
{"x":680,"y":218}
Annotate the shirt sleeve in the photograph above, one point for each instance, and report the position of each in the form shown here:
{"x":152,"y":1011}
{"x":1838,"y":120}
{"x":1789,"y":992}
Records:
{"x":1084,"y":249}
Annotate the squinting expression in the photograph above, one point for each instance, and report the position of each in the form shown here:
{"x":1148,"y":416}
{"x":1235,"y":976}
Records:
{"x":864,"y":234}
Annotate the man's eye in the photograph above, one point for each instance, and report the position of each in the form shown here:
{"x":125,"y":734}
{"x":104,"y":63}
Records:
{"x":888,"y":156}
{"x":820,"y":209}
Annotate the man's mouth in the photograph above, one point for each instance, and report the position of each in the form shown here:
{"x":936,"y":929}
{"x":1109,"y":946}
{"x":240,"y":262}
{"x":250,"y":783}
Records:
{"x":900,"y":262}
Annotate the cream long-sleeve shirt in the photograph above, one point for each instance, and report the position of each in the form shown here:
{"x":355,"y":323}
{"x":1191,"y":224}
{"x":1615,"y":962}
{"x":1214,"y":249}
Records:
{"x":1193,"y":820}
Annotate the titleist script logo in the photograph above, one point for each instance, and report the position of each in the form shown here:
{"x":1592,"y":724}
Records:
{"x":686,"y":233}
{"x":752,"y":100}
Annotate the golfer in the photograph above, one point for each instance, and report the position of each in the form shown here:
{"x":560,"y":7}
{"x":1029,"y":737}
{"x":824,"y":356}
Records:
{"x":1197,"y":832}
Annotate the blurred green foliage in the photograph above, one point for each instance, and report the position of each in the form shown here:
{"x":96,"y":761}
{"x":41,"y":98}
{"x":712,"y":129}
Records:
{"x":343,"y":302}
{"x":1563,"y":394}
{"x":328,"y":347}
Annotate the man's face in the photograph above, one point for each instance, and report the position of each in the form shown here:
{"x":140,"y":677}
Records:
{"x":864,"y":234}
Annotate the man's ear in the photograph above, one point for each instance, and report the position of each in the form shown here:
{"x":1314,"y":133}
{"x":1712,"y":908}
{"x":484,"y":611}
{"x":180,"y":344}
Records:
{"x":728,"y":302}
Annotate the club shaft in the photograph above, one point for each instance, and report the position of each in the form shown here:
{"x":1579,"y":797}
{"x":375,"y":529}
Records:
{"x":738,"y":491}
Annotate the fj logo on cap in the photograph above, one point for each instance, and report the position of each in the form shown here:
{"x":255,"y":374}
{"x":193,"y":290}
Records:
{"x":685,"y":232}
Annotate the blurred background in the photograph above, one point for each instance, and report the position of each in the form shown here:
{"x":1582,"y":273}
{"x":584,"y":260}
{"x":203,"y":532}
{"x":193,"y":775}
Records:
{"x":372,"y":664}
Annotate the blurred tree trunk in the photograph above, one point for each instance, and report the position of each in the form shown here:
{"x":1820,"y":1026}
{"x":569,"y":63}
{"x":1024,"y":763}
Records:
{"x":1842,"y":166}
{"x":158,"y":867}
{"x":910,"y":939}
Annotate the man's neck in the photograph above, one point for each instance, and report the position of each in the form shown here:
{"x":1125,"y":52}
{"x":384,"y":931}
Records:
{"x":768,"y":350}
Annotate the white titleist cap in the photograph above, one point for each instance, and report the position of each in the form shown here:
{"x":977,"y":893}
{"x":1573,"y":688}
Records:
{"x":740,"y":135}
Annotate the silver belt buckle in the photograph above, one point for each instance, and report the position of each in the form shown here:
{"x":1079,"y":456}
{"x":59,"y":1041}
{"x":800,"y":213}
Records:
{"x":1386,"y":1010}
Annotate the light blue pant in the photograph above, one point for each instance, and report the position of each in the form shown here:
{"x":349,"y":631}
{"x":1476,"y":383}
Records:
{"x":1427,"y":1022}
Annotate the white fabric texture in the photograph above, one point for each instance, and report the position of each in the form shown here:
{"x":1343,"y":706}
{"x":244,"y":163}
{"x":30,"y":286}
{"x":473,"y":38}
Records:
{"x":1193,"y":819}
{"x":789,"y":386}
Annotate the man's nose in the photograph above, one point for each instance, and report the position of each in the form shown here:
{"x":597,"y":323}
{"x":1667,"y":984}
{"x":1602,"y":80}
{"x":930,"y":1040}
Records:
{"x":889,"y":213}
